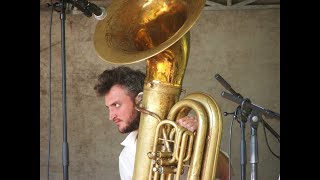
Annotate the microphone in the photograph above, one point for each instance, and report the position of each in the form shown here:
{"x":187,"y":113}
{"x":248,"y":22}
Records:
{"x":89,"y":8}
{"x":226,"y":85}
{"x":102,"y":15}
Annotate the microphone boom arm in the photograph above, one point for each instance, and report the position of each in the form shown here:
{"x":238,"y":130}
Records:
{"x":259,"y":110}
{"x":267,"y":113}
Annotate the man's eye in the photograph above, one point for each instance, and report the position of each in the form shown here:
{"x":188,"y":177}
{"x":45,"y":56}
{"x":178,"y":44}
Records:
{"x":117,"y":105}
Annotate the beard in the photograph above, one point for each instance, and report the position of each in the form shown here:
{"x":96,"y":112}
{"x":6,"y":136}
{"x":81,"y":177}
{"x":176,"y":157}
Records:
{"x":133,"y":125}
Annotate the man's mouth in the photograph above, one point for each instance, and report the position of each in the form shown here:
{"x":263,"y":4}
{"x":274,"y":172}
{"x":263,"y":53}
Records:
{"x":117,"y":122}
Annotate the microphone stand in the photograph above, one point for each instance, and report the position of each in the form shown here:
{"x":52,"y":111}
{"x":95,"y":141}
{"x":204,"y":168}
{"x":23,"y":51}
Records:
{"x":65,"y":147}
{"x":61,"y":7}
{"x":254,"y":158}
{"x":88,"y":9}
{"x":244,"y":113}
{"x":253,"y":114}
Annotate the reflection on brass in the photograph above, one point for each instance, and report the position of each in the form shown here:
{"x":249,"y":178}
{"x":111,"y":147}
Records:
{"x":157,"y":31}
{"x":137,"y":30}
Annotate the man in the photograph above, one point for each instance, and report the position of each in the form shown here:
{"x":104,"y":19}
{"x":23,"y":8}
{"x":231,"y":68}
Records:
{"x":120,"y":87}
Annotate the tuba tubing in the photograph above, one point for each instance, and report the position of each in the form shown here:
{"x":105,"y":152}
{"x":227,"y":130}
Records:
{"x":214,"y":133}
{"x":204,"y":160}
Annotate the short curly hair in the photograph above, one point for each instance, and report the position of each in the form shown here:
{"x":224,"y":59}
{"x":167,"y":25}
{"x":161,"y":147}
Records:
{"x":131,"y":80}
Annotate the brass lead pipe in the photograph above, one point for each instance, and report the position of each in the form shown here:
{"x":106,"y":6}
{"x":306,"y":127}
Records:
{"x":164,"y":134}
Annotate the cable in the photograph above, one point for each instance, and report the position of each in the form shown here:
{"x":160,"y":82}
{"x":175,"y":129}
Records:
{"x":230,"y":136}
{"x":49,"y":116}
{"x":265,"y":135}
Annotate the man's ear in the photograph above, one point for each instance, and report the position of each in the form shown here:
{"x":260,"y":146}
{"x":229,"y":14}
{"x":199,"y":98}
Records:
{"x":138,"y":99}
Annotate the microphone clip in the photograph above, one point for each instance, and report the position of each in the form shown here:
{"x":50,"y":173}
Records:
{"x":87,"y":8}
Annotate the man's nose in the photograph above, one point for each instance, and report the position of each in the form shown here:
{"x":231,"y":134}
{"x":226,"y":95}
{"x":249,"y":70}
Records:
{"x":112,"y":115}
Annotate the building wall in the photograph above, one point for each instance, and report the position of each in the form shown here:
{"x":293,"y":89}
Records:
{"x":243,"y":46}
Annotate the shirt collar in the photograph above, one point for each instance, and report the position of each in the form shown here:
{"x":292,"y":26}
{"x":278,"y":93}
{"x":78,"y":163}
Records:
{"x":131,"y":139}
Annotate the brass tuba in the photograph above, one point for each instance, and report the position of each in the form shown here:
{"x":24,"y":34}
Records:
{"x":158,"y":31}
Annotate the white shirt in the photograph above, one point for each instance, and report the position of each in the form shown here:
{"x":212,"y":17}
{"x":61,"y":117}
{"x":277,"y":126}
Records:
{"x":127,"y":156}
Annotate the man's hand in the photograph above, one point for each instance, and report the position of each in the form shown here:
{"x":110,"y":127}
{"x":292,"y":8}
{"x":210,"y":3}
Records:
{"x":189,"y":122}
{"x":222,"y":172}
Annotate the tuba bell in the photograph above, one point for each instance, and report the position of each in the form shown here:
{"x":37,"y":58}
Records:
{"x":158,"y":31}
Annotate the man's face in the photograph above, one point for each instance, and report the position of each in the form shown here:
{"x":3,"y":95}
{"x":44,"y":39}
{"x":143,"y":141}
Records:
{"x":121,"y":109}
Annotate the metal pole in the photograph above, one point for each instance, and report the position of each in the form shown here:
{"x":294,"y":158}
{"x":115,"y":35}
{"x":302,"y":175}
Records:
{"x":65,"y":149}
